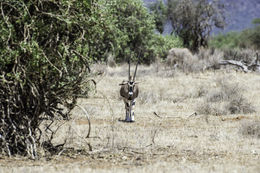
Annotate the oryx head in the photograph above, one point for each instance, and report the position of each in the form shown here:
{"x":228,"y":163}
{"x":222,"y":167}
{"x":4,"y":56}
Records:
{"x":131,"y":84}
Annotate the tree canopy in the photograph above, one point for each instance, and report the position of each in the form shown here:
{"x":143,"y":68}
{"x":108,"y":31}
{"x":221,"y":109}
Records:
{"x":193,"y":20}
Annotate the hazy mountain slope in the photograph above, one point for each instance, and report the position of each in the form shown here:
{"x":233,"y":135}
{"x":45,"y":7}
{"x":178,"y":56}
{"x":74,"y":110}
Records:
{"x":239,"y":15}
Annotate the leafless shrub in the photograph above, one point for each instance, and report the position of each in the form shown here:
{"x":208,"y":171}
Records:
{"x":228,"y":98}
{"x":205,"y":53}
{"x":251,"y":129}
{"x":226,"y":91}
{"x":193,"y":65}
{"x":214,"y":57}
{"x":183,"y":60}
{"x":209,"y":108}
{"x":176,"y":56}
{"x":240,"y":105}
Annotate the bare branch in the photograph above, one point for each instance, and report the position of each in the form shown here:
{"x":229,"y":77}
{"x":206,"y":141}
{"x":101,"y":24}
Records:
{"x":89,"y":124}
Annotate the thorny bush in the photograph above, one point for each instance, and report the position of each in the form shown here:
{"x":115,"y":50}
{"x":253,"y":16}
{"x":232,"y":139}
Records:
{"x":45,"y":51}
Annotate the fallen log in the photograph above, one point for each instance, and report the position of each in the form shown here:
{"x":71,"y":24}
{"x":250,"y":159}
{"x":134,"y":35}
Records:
{"x":236,"y":63}
{"x":246,"y":68}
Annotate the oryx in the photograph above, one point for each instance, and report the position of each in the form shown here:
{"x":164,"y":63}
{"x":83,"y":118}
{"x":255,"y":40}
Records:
{"x":129,"y":92}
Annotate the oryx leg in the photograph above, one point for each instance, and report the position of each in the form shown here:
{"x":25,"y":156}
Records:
{"x":131,"y":110}
{"x":127,"y":110}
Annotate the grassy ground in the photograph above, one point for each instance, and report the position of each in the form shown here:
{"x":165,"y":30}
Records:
{"x":172,"y":132}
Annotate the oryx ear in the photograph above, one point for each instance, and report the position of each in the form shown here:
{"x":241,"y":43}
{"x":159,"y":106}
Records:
{"x":123,"y":83}
{"x":137,"y":82}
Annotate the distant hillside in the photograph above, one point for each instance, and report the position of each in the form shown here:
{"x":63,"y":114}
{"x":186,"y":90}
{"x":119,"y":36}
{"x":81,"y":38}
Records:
{"x":239,"y":15}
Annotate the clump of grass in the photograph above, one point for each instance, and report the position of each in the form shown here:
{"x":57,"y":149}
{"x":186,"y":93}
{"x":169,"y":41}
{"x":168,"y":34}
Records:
{"x":148,"y":97}
{"x":227,"y":98}
{"x":212,"y":109}
{"x":240,"y":105}
{"x":251,"y":129}
{"x":200,"y":92}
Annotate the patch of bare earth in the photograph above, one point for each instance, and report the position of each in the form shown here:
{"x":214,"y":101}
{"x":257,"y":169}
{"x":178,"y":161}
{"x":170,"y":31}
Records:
{"x":169,"y":135}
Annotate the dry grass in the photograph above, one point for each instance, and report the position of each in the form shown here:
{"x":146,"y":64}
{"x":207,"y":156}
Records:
{"x":167,"y":136}
{"x":251,"y":129}
{"x":227,"y":97}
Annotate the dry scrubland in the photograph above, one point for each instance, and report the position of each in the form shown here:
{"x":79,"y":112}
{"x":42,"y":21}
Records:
{"x":197,"y":122}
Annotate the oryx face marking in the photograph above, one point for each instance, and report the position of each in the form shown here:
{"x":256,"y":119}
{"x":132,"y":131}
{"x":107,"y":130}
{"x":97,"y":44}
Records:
{"x":130,"y":89}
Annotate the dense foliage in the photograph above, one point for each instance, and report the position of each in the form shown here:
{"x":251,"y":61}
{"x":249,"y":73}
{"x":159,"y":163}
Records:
{"x":135,"y":29}
{"x":249,"y":38}
{"x":46,"y":47}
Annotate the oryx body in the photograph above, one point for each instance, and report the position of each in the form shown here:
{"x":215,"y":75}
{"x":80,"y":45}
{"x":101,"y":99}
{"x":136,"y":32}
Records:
{"x":129,"y":92}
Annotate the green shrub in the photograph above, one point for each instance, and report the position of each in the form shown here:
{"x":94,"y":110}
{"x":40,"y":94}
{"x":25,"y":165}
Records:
{"x":46,"y":47}
{"x":246,"y":39}
{"x":225,"y":41}
{"x":163,"y":43}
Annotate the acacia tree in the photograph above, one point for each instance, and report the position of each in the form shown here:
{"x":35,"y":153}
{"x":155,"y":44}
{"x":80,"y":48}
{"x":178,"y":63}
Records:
{"x":193,"y":20}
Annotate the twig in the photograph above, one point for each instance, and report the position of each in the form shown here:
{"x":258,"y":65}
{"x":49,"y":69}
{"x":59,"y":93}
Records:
{"x":10,"y":31}
{"x":89,"y":124}
{"x":52,"y":64}
{"x":82,"y":57}
{"x":112,"y":114}
{"x":32,"y":144}
{"x":194,"y":114}
{"x":153,"y":135}
{"x":157,"y":115}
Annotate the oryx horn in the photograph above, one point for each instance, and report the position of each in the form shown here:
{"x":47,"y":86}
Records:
{"x":129,"y":68}
{"x":135,"y":70}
